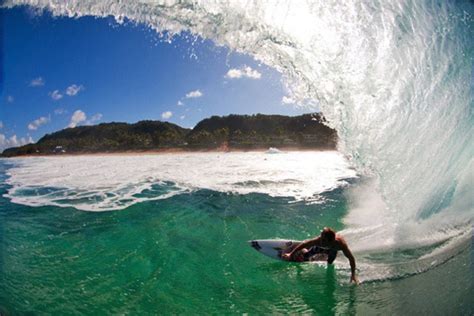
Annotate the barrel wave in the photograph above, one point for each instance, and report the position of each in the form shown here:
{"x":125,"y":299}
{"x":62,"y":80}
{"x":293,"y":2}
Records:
{"x":393,"y":78}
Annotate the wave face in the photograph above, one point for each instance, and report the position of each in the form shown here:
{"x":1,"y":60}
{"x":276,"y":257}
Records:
{"x":394,"y":78}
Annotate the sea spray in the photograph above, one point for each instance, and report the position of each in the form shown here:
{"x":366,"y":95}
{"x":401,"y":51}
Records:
{"x":394,"y":79}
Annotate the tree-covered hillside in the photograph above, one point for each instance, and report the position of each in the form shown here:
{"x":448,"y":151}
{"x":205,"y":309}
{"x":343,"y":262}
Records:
{"x":107,"y":137}
{"x":233,"y":131}
{"x":257,"y":131}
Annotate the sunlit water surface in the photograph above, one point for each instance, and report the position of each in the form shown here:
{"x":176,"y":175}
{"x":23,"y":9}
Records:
{"x":187,"y":252}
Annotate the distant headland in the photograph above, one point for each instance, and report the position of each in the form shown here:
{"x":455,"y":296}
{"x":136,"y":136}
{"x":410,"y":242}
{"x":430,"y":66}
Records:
{"x":233,"y":132}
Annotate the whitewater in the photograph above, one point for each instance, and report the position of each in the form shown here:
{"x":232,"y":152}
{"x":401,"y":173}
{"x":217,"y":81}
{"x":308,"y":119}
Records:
{"x":105,"y":182}
{"x":394,"y":78}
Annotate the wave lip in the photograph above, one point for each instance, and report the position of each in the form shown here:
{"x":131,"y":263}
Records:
{"x":393,"y":78}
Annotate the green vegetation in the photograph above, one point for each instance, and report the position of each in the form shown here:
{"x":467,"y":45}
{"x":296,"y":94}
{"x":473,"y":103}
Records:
{"x":263,"y":131}
{"x":233,"y":131}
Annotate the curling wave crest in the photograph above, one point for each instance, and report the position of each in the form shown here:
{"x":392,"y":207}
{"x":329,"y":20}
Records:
{"x":393,"y":77}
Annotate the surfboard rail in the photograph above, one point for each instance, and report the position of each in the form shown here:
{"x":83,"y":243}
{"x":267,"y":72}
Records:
{"x":274,"y":248}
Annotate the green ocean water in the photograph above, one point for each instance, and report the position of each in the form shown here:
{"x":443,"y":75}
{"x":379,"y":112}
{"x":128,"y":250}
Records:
{"x":394,"y":79}
{"x":189,"y":255}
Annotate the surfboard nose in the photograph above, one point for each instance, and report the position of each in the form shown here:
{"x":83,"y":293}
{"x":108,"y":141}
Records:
{"x":254,"y":244}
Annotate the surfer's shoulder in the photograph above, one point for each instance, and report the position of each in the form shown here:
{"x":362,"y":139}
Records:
{"x":341,"y":242}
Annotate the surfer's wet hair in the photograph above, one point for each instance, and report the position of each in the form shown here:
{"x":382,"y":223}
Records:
{"x":328,"y":234}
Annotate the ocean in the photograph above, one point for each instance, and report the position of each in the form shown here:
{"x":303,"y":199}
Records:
{"x":394,"y":78}
{"x":168,"y":234}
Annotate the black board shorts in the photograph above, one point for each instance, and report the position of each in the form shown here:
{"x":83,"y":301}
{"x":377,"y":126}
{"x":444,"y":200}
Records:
{"x":332,"y":253}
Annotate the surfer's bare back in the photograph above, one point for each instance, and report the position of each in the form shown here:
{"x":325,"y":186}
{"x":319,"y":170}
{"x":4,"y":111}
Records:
{"x":328,"y":243}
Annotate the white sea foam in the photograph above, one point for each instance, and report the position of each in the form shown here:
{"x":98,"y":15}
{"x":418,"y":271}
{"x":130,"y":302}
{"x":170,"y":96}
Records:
{"x":99,"y":183}
{"x":393,"y":77}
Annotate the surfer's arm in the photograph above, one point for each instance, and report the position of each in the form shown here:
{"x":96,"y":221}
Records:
{"x":304,"y":244}
{"x":347,"y":252}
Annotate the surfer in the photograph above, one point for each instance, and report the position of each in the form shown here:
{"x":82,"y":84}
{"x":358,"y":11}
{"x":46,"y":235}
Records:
{"x":327,"y":244}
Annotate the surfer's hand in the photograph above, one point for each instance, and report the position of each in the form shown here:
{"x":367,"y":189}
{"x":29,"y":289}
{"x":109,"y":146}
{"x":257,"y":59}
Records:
{"x":286,"y":256}
{"x":354,"y":279}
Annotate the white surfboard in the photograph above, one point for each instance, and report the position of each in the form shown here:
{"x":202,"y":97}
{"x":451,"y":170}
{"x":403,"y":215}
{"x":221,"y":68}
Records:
{"x":274,"y":248}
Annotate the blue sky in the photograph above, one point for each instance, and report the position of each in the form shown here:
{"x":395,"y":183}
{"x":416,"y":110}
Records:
{"x":61,"y":72}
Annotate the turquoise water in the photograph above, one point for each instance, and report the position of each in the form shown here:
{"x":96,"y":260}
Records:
{"x":188,"y":254}
{"x":393,"y":78}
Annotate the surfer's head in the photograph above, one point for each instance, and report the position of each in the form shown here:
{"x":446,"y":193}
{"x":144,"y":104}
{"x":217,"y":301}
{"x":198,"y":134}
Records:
{"x":328,"y":235}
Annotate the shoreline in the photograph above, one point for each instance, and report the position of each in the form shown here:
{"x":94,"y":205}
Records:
{"x":168,"y":151}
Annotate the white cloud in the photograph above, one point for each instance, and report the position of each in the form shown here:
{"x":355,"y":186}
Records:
{"x":56,"y":95}
{"x":24,"y":141}
{"x":13,"y":141}
{"x":10,"y":99}
{"x":166,"y":115}
{"x":182,"y":117}
{"x":77,"y":118}
{"x":59,"y":111}
{"x":194,"y":94}
{"x":287,"y":100}
{"x":243,"y":72}
{"x":180,"y":103}
{"x":233,"y":73}
{"x":74,"y":89}
{"x":33,"y":126}
{"x":37,"y":82}
{"x":95,"y":118}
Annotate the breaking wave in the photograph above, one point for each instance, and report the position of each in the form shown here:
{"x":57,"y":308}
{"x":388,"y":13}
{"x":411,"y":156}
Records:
{"x":105,"y":183}
{"x":394,"y":78}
